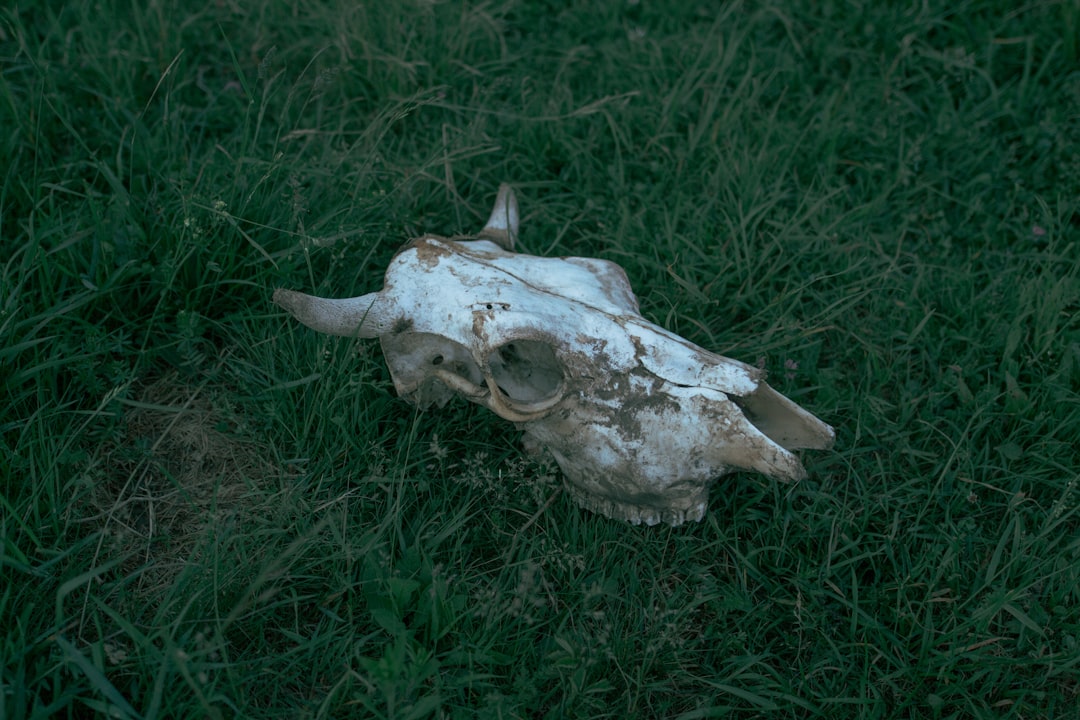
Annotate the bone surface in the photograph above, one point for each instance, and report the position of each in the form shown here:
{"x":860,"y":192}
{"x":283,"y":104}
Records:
{"x":640,"y":421}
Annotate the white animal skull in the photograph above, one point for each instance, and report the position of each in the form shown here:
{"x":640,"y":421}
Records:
{"x":640,"y":420}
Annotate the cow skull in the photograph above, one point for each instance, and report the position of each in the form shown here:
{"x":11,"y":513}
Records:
{"x":640,"y":420}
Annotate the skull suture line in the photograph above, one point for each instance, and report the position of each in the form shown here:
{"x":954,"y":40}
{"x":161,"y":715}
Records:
{"x":640,"y":420}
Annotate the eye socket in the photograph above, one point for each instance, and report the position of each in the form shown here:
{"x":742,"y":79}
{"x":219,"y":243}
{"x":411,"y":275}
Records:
{"x":526,"y":371}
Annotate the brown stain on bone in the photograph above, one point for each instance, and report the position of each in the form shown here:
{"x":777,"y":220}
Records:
{"x":429,"y":250}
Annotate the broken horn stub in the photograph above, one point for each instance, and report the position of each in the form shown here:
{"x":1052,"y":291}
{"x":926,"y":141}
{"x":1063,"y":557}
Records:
{"x":640,"y":421}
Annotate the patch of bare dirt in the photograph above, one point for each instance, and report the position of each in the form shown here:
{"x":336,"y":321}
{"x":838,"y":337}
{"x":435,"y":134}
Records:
{"x":183,"y":466}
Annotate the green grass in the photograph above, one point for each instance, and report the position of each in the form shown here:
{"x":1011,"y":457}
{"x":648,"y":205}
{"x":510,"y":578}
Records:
{"x":210,"y":511}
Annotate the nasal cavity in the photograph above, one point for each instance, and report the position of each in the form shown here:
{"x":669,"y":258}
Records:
{"x":526,"y":370}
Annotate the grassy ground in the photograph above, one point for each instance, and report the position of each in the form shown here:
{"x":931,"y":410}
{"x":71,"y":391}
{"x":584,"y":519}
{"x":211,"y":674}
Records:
{"x":210,"y":511}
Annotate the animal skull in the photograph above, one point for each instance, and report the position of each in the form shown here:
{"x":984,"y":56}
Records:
{"x":640,"y":420}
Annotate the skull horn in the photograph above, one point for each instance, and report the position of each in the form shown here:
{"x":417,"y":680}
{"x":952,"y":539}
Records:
{"x":502,"y":226}
{"x":366,"y":316}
